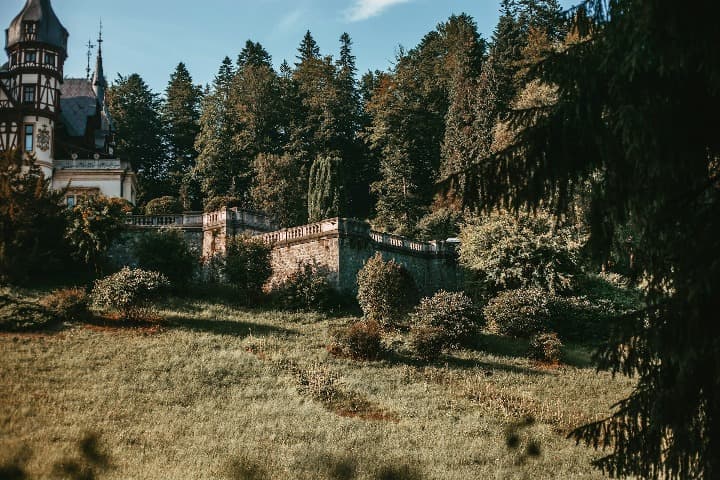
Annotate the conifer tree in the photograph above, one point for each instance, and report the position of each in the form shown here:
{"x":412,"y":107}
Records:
{"x":324,"y":191}
{"x":180,"y":114}
{"x":135,"y":111}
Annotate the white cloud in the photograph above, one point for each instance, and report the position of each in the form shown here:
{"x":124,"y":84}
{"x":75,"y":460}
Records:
{"x":364,"y":9}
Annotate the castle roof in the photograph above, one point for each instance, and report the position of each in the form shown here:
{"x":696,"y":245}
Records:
{"x":77,"y":102}
{"x":48,"y":28}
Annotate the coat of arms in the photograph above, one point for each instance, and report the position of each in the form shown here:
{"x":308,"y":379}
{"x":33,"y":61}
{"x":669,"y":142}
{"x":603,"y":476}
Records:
{"x":43,"y":139}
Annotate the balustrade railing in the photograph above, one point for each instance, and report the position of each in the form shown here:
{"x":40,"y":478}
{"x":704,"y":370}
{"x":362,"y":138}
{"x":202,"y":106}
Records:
{"x":190,"y":219}
{"x":90,"y":164}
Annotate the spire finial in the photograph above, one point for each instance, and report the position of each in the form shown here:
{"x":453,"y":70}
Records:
{"x":100,"y":40}
{"x":89,"y":57}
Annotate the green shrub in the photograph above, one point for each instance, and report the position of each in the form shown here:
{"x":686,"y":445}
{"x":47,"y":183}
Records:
{"x":164,"y":206}
{"x":247,"y":264}
{"x":504,"y":251}
{"x":518,"y":313}
{"x":453,"y":312}
{"x":386,"y":291}
{"x":69,"y":304}
{"x":214,"y":204}
{"x":307,"y":289}
{"x":441,"y":224}
{"x":166,"y":252}
{"x":19,"y":315}
{"x":546,"y":347}
{"x":93,"y":225}
{"x":319,"y":382}
{"x":427,"y":342}
{"x":361,"y":341}
{"x":130,"y":292}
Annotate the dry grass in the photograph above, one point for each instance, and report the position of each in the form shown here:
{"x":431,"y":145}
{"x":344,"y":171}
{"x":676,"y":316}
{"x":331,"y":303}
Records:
{"x":215,"y":393}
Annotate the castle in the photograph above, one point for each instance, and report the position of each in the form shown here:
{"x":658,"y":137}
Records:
{"x":65,"y":125}
{"x":62,"y":122}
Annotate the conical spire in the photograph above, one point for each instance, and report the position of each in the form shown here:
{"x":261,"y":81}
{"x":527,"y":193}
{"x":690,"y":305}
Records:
{"x":47,"y":27}
{"x":99,"y":82}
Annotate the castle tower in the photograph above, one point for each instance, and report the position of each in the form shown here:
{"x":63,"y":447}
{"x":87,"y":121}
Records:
{"x":36,"y":44}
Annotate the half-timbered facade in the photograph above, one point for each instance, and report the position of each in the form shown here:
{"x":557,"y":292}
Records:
{"x":62,"y":123}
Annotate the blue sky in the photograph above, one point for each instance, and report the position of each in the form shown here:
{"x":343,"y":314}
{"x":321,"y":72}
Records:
{"x":150,"y":37}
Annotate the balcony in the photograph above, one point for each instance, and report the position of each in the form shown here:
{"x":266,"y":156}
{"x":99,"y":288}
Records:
{"x":91,"y":164}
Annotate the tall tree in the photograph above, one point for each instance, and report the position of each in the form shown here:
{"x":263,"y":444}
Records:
{"x":308,"y":49}
{"x":276,"y":190}
{"x":324,"y":191}
{"x":180,"y":114}
{"x":632,"y":69}
{"x":135,"y":110}
{"x":253,"y":54}
{"x":216,"y":166}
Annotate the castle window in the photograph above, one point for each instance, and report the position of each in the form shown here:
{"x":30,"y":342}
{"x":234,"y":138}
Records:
{"x":49,"y":59}
{"x":28,"y":93}
{"x":30,"y":30}
{"x":70,"y":199}
{"x":31,"y":56}
{"x":14,"y":59}
{"x":29,"y":138}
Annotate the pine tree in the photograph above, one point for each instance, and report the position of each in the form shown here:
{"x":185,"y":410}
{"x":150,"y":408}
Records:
{"x":636,"y":111}
{"x":216,"y":167}
{"x":253,"y":54}
{"x":135,"y":111}
{"x":180,"y":114}
{"x":324,"y":191}
{"x":308,"y":49}
{"x":276,"y":190}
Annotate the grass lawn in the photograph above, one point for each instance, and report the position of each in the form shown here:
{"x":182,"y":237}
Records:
{"x":215,"y":393}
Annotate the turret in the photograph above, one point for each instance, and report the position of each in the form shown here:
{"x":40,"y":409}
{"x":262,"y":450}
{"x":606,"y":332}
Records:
{"x":99,"y":82}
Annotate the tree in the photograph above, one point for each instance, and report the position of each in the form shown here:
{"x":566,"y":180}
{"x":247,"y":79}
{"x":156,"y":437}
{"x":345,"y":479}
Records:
{"x":93,"y":225}
{"x":636,"y":111}
{"x":277,"y":191}
{"x":31,"y":220}
{"x":135,"y":111}
{"x":308,"y":49}
{"x":180,"y":115}
{"x":216,"y":166}
{"x":324,"y":191}
{"x":253,"y":54}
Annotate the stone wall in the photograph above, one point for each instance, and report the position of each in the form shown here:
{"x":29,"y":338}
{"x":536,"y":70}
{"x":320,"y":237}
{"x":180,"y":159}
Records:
{"x":340,"y":246}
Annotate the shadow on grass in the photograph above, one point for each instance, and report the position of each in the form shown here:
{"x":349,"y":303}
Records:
{"x":225,"y":327}
{"x":455,"y":363}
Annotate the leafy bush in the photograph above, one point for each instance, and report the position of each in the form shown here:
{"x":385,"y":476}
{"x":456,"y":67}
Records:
{"x":518,"y":313}
{"x":69,"y":304}
{"x":307,"y":289}
{"x":93,"y":225}
{"x":32,"y":223}
{"x":19,"y":315}
{"x":247,"y":264}
{"x":386,"y":291}
{"x":441,"y":224}
{"x":427,"y":341}
{"x":504,"y":251}
{"x":546,"y":347}
{"x":166,"y":252}
{"x":130,"y":292}
{"x":361,"y":341}
{"x":453,"y":312}
{"x":214,"y":204}
{"x":319,"y":382}
{"x":163,"y":206}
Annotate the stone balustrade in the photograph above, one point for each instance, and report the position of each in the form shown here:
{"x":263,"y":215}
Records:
{"x":187,"y":220}
{"x":91,"y":164}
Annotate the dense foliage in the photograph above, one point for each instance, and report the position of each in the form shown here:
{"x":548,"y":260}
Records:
{"x":546,"y":347}
{"x":386,"y":290}
{"x":518,"y":313}
{"x":507,"y":251}
{"x":361,"y":341}
{"x":306,"y":289}
{"x":130,"y":292}
{"x":247,"y":265}
{"x":68,"y":304}
{"x":166,"y":252}
{"x":31,"y":221}
{"x":92,"y":227}
{"x":166,"y":205}
{"x":452,"y":312}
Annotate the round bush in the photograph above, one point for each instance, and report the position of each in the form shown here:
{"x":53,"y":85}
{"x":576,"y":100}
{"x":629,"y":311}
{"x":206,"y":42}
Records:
{"x":19,"y":315}
{"x":361,"y":341}
{"x":166,"y":252}
{"x":453,"y":312}
{"x":518,"y":313}
{"x":427,"y":342}
{"x":214,"y":204}
{"x":130,"y":292}
{"x":163,"y":206}
{"x":247,"y":264}
{"x":306,"y":289}
{"x":69,"y":304}
{"x":386,"y":291}
{"x":546,"y":347}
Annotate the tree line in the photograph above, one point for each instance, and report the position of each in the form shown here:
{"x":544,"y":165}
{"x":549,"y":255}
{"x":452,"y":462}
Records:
{"x":315,"y":139}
